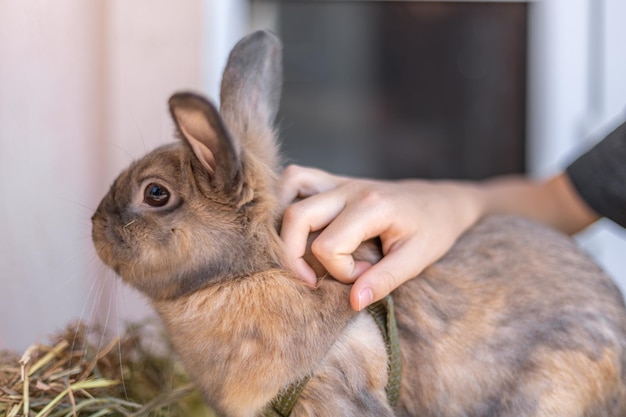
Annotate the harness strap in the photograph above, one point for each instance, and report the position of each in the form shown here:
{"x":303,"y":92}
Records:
{"x":383,"y":314}
{"x":284,"y":402}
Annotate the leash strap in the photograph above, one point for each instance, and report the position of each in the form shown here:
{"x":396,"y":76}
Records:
{"x":384,"y":315}
{"x":284,"y":402}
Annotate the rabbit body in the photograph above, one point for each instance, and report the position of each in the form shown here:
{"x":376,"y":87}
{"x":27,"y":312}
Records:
{"x":514,"y":321}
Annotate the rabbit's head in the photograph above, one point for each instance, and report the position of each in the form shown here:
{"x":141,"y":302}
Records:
{"x":204,"y":208}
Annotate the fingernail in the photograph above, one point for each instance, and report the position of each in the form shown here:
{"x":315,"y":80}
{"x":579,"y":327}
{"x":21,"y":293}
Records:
{"x":365,"y":298}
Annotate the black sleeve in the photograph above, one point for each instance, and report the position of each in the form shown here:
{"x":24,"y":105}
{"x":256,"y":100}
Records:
{"x":599,"y":176}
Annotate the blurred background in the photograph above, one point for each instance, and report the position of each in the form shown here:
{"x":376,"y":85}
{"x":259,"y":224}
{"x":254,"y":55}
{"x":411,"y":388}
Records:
{"x":384,"y":89}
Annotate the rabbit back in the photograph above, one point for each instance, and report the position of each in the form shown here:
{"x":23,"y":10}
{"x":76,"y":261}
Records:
{"x":514,"y":321}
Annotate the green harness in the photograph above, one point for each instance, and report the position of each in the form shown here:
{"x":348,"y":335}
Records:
{"x":383,"y":314}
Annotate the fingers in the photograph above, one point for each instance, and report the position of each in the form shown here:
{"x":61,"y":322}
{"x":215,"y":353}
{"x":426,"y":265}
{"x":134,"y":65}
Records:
{"x":306,"y":216}
{"x":349,"y":214}
{"x":301,"y":182}
{"x":403,"y":263}
{"x":299,"y":220}
{"x":360,"y":219}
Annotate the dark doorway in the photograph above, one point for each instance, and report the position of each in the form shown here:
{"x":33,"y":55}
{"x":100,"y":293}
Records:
{"x":404,"y":89}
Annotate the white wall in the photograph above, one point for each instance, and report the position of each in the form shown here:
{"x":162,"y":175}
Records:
{"x":83,"y":90}
{"x":607,"y":80}
{"x":224,"y":23}
{"x":50,"y":83}
{"x":577,"y":94}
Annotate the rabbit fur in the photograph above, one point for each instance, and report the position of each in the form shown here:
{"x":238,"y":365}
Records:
{"x":514,"y":321}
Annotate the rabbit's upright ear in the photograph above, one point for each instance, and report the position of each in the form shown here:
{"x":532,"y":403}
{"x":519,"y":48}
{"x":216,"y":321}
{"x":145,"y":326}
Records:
{"x":252,"y":80}
{"x":200,"y":125}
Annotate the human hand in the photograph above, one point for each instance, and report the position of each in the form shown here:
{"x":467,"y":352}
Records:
{"x":416,"y":221}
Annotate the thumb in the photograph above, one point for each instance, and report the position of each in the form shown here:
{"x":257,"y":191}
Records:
{"x":393,"y":270}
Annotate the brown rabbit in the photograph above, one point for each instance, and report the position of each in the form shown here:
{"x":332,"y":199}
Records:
{"x":514,"y":321}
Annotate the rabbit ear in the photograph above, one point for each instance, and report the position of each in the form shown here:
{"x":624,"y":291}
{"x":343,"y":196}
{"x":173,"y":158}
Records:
{"x":252,"y":80}
{"x":201,"y":126}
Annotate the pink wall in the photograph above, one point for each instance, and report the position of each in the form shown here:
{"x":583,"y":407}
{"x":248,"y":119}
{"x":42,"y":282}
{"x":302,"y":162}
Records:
{"x":83,"y":90}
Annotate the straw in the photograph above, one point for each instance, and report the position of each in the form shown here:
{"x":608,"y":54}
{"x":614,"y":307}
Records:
{"x":75,"y":377}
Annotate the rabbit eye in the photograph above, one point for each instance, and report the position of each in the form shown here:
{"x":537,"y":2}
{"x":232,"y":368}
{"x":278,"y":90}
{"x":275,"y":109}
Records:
{"x":156,"y":195}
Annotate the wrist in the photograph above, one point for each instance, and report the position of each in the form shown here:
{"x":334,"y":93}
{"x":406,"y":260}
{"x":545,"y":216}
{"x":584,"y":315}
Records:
{"x":471,"y":202}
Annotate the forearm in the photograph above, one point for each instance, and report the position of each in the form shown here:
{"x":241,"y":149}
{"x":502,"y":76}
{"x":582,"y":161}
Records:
{"x":553,"y":202}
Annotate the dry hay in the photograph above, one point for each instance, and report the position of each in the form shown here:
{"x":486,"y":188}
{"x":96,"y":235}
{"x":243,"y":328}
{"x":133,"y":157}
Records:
{"x":75,"y":376}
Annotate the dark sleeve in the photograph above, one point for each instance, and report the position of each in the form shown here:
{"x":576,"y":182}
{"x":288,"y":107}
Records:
{"x":599,"y":176}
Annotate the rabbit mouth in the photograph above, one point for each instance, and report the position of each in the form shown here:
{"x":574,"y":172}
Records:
{"x":109,"y":239}
{"x":114,"y":235}
{"x":121,"y":235}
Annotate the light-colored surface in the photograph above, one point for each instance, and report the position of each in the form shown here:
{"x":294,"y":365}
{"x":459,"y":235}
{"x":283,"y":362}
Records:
{"x":83,"y":90}
{"x":49,"y":88}
{"x":577,"y":94}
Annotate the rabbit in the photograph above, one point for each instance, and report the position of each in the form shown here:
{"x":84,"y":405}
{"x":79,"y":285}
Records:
{"x":514,"y":321}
